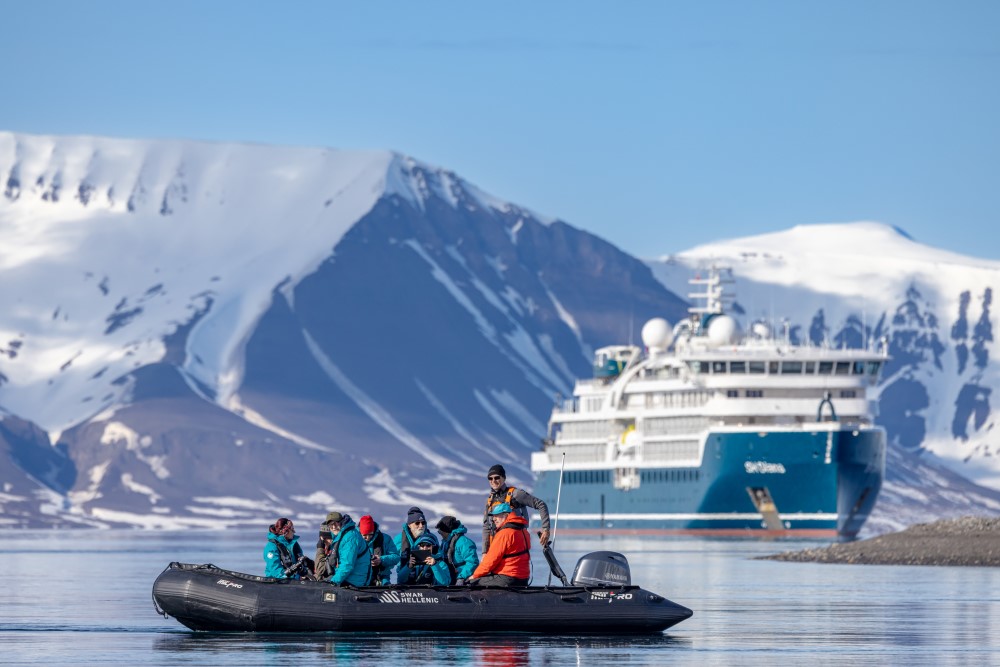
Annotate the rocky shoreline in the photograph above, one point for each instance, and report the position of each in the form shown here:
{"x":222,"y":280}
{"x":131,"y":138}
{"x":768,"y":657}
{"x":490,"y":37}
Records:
{"x":968,"y":541}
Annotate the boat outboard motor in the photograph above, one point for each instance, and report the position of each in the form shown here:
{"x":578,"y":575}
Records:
{"x":602,"y":568}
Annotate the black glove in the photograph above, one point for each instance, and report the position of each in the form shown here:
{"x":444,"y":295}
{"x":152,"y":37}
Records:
{"x":460,"y":582}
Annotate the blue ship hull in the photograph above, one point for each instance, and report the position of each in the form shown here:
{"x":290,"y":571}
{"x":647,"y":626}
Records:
{"x":817,"y":484}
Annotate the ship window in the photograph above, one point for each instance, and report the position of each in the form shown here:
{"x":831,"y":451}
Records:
{"x":791,"y":367}
{"x":848,"y":393}
{"x":772,"y":367}
{"x":810,"y":367}
{"x":843,"y":368}
{"x":873,"y":367}
{"x":737,"y":367}
{"x":755,"y":393}
{"x":859,"y":368}
{"x":732,"y":393}
{"x":825,"y":367}
{"x":695,"y":366}
{"x":718,"y":367}
{"x":757,"y":366}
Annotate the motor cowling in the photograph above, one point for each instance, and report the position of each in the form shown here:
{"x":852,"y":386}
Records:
{"x":602,"y":568}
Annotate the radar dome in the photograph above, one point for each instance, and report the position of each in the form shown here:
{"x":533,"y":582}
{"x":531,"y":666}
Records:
{"x":761,"y":330}
{"x":657,"y":334}
{"x":723,"y":330}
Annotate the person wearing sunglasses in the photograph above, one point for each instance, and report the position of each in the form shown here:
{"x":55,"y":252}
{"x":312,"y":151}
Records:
{"x":419,"y":562}
{"x":519,"y":501}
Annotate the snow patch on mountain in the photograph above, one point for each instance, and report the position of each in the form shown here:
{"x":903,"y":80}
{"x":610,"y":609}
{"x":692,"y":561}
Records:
{"x":852,"y":283}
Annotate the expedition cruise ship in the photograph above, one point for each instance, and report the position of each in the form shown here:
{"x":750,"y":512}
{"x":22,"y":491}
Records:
{"x":718,"y":432}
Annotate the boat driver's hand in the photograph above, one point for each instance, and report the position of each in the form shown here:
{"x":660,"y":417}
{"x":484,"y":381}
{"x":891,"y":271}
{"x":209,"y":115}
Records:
{"x":543,"y":537}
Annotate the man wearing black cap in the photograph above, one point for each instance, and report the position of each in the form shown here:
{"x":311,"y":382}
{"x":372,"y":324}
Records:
{"x":519,"y":500}
{"x":457,"y":550}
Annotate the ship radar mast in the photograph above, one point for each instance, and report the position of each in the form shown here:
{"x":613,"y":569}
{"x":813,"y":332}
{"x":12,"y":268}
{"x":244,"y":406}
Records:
{"x":714,"y":296}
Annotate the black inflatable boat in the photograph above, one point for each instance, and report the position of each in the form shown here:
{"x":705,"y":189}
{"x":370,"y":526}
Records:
{"x":599,"y":600}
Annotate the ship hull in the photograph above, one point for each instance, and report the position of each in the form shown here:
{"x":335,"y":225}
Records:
{"x":767,"y":483}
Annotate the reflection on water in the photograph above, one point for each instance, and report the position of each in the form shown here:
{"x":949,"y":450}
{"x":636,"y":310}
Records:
{"x":84,"y":597}
{"x":425,"y":648}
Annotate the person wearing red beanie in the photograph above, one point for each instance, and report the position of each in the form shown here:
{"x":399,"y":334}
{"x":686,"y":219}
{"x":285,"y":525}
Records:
{"x":384,"y":553}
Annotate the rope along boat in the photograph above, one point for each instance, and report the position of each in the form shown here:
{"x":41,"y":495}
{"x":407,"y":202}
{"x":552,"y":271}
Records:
{"x":600,"y":600}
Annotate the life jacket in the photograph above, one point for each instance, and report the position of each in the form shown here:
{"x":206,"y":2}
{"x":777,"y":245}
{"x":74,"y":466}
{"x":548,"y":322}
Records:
{"x":508,"y":554}
{"x":288,"y":559}
{"x":523,"y":532}
{"x":376,"y":548}
{"x":493,"y":500}
{"x":508,"y":497}
{"x":448,"y":549}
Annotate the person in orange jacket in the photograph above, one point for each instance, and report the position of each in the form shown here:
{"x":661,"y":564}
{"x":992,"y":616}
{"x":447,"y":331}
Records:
{"x":507,"y":563}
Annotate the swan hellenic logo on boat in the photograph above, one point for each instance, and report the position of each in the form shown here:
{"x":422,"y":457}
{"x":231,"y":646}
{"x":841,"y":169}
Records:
{"x":406,"y":597}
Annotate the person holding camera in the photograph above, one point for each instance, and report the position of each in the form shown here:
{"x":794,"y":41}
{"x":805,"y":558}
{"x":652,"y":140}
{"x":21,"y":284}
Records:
{"x":418,"y":559}
{"x":384,"y":555}
{"x":283,"y":557}
{"x":349,"y":557}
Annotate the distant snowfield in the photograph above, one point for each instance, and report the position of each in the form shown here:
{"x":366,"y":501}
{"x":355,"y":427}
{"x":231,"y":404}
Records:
{"x":108,"y":248}
{"x":111,"y":245}
{"x":865,"y":270}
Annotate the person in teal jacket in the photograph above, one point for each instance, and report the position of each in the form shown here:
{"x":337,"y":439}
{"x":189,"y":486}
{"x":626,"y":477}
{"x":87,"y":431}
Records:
{"x":283,"y":556}
{"x":458,"y":551}
{"x":349,"y":557}
{"x":384,"y":554}
{"x":429,"y":570}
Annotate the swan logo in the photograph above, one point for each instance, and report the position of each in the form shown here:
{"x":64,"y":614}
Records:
{"x":229,"y":584}
{"x":406,"y":597}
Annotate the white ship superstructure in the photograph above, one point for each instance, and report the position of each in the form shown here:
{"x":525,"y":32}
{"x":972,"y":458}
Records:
{"x":742,"y":423}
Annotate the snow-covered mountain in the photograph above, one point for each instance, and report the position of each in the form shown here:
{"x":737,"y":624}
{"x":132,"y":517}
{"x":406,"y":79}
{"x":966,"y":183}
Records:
{"x":857,"y":284}
{"x":199,"y":334}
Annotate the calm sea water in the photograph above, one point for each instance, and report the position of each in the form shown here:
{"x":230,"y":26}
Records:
{"x":85,"y":597}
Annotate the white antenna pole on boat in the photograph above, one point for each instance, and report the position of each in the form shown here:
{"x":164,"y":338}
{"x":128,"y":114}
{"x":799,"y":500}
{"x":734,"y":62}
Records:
{"x":555,"y":522}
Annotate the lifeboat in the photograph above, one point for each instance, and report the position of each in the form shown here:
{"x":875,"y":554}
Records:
{"x":599,"y":600}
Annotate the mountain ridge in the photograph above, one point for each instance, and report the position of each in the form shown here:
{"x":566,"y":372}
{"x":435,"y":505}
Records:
{"x":253,"y":330}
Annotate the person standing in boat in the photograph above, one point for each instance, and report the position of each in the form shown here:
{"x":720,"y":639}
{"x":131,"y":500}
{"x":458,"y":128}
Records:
{"x":507,"y":563}
{"x":517,"y":499}
{"x":417,"y":546}
{"x":384,"y":554}
{"x":457,"y":551}
{"x":349,"y":557}
{"x":283,"y":557}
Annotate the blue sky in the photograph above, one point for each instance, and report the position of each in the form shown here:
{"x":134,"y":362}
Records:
{"x":657,"y":125}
